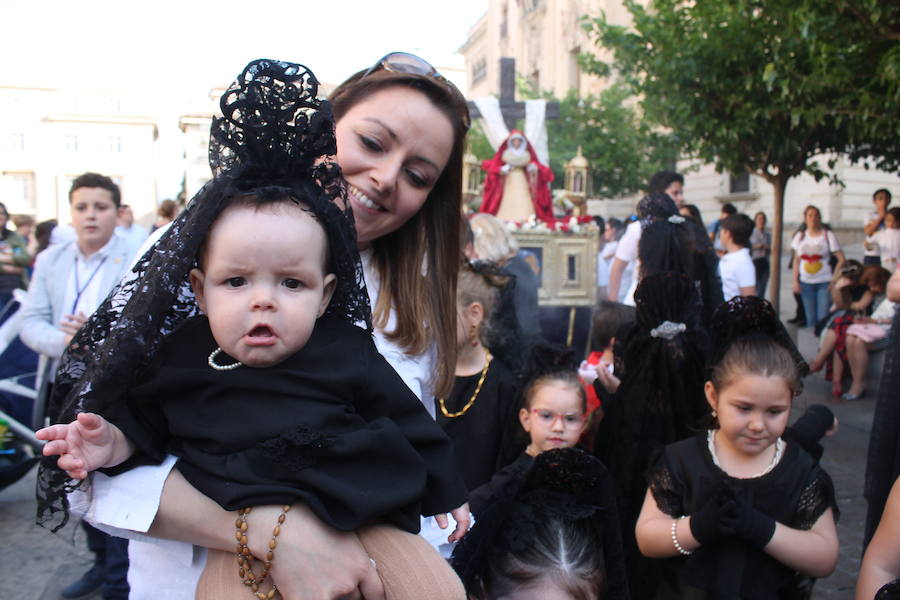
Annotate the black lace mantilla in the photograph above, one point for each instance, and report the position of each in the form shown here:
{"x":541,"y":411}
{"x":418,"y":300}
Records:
{"x":275,"y":137}
{"x":568,"y":484}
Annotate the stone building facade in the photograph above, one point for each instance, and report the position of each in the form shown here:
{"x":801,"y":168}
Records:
{"x":48,"y":137}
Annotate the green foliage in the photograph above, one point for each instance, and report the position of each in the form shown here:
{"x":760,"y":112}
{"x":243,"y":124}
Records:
{"x":757,"y":85}
{"x":764,"y":86}
{"x":477,"y":142}
{"x":623,"y":150}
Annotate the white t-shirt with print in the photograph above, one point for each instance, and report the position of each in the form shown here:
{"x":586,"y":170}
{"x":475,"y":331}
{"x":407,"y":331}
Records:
{"x":736,"y":270}
{"x":888,"y":241}
{"x":817,"y":250}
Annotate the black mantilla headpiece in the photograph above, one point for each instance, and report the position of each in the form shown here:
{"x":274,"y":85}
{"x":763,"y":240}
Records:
{"x":274,"y":139}
{"x":567,"y":484}
{"x":548,"y":359}
{"x":745,"y":316}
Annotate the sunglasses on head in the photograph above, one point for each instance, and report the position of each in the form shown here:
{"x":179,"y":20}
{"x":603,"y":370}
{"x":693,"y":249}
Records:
{"x":404,"y":62}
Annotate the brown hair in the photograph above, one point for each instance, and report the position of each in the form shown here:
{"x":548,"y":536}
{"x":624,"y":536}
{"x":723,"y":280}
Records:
{"x":484,"y":288}
{"x":562,"y":551}
{"x":874,"y":275}
{"x":758,"y":355}
{"x":428,"y":242}
{"x":566,"y":377}
{"x":96,"y":180}
{"x":167,"y":209}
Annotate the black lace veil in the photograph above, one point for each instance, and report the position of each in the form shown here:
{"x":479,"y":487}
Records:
{"x":567,"y":484}
{"x":670,"y":242}
{"x":273,"y":140}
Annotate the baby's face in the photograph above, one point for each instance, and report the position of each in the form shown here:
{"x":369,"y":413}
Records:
{"x":263,"y":283}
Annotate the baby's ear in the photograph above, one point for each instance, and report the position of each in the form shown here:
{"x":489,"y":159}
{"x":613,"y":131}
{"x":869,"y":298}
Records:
{"x":197,"y":278}
{"x":328,"y":285}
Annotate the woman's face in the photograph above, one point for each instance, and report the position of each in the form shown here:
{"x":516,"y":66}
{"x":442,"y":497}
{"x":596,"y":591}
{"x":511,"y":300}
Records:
{"x":813,"y":219}
{"x":392,"y":147}
{"x":760,"y":221}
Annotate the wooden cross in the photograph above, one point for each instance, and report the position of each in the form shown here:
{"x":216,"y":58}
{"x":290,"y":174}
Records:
{"x":509,"y":108}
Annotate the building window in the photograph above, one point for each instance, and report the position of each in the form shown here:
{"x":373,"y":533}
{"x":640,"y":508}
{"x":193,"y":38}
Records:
{"x":115,"y":144}
{"x":17,"y":142}
{"x":70,"y":142}
{"x":17,"y":189}
{"x":530,"y":5}
{"x":479,"y":70}
{"x":739,"y":184}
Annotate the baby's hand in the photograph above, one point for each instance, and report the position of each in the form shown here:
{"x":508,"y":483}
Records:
{"x":84,"y":445}
{"x":587,"y":372}
{"x":461,"y":515}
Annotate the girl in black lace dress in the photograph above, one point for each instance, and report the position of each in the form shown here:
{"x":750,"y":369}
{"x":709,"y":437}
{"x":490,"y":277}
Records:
{"x":737,"y":511}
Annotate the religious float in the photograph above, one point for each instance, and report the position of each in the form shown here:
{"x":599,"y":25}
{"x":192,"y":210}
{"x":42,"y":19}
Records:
{"x":554,"y":233}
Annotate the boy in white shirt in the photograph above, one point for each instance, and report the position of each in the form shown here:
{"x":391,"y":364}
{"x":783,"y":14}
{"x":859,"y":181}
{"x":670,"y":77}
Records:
{"x":736,"y":266}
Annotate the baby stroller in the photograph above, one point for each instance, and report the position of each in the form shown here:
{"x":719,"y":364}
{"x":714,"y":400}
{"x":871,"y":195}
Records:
{"x":18,"y":367}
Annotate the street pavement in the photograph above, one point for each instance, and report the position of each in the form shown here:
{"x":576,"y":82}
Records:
{"x":35,"y":563}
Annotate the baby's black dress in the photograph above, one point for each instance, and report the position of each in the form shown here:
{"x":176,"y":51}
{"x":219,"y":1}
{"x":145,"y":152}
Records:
{"x":796,"y":492}
{"x":333,"y":426}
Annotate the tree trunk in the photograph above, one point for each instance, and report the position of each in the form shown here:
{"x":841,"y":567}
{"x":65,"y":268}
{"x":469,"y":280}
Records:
{"x":779,"y":183}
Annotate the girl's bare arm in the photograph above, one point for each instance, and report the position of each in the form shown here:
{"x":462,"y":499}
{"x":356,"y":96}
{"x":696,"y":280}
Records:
{"x":881,"y":563}
{"x":654,"y":531}
{"x":814,"y":552}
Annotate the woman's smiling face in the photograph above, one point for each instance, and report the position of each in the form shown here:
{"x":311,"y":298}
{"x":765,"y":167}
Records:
{"x":392,"y":148}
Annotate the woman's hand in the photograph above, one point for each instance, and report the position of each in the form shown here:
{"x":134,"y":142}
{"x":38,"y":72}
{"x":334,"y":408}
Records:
{"x":796,"y":287}
{"x":313,"y":560}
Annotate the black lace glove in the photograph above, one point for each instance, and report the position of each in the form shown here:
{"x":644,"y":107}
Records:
{"x":714,"y":519}
{"x":748,"y":523}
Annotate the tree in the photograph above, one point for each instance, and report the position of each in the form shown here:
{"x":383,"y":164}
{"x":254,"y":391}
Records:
{"x":623,"y":149}
{"x":746,"y":87}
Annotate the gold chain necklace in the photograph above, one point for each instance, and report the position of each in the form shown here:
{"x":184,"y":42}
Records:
{"x":487,"y":363}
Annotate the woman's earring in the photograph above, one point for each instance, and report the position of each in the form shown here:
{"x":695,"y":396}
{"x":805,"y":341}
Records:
{"x":715,"y":415}
{"x":473,"y":335}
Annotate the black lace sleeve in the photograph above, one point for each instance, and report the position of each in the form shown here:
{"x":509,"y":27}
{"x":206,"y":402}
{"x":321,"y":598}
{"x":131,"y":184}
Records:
{"x":667,"y":490}
{"x":816,"y":497}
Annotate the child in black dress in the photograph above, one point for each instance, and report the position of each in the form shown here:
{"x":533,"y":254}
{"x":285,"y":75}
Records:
{"x":737,"y":511}
{"x":274,"y":395}
{"x":554,"y":534}
{"x":553,"y":415}
{"x":479,"y":416}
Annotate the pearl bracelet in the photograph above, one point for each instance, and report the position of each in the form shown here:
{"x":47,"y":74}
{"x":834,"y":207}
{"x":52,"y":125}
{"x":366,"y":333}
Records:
{"x":678,"y":546}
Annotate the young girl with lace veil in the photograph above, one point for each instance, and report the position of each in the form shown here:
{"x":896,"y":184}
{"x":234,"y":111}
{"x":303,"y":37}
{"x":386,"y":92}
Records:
{"x":277,"y":414}
{"x":737,"y":511}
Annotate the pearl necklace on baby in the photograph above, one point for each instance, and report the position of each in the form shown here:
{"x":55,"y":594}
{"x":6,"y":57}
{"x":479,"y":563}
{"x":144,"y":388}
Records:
{"x":211,"y":361}
{"x":779,"y":450}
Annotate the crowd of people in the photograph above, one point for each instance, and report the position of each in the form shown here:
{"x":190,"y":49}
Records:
{"x":321,"y":356}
